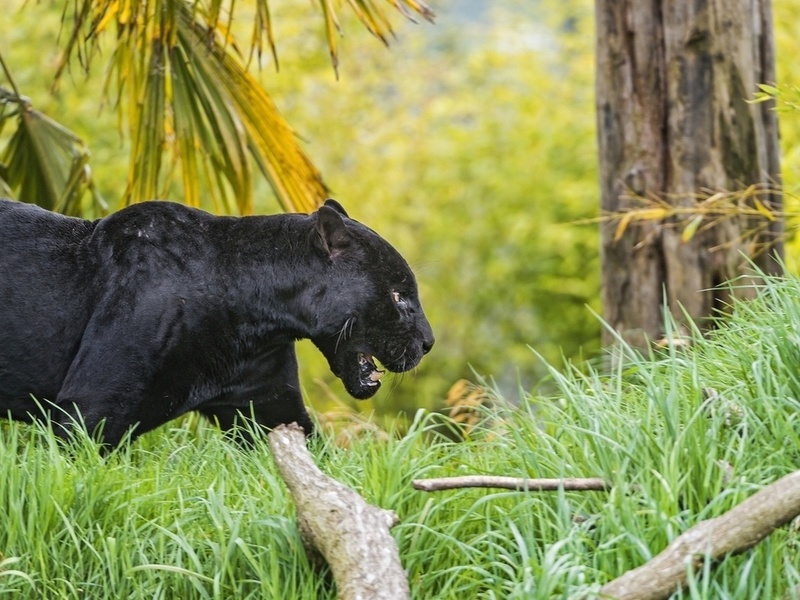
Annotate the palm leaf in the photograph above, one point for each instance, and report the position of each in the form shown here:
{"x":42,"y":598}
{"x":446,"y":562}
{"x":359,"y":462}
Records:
{"x":43,"y":162}
{"x":5,"y":187}
{"x":203,"y":110}
{"x":149,"y":135}
{"x":188,"y":96}
{"x":373,"y":18}
{"x":269,"y":138}
{"x":177,"y":68}
{"x":332,"y":30}
{"x":262,"y":27}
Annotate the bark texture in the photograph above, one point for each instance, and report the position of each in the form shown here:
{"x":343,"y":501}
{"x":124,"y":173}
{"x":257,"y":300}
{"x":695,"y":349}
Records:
{"x":673,"y":80}
{"x":351,"y":535}
{"x":740,"y":528}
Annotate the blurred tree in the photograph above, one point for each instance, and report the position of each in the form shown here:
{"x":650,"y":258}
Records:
{"x":180,"y":81}
{"x":674,"y":123}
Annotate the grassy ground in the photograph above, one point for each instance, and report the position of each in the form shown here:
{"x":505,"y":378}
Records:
{"x":183,"y":513}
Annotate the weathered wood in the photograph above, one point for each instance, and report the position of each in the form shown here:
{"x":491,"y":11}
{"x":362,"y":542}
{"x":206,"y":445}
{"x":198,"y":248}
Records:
{"x":737,"y":530}
{"x":592,"y":484}
{"x":351,"y":535}
{"x":672,"y":85}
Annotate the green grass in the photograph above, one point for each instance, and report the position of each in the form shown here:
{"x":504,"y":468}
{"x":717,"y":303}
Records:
{"x":683,"y":436}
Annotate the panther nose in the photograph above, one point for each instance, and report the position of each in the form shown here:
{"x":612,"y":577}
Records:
{"x":427,"y":335}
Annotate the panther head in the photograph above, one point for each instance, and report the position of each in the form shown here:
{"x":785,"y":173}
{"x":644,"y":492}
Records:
{"x":369,"y":308}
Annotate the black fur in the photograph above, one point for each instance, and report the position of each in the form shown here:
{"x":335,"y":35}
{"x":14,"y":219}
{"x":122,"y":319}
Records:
{"x":159,"y":309}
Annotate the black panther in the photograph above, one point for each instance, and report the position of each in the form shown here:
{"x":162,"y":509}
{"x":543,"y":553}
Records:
{"x":129,"y":321}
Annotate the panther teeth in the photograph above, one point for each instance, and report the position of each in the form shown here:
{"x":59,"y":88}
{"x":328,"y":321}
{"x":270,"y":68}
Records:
{"x":370,"y":373}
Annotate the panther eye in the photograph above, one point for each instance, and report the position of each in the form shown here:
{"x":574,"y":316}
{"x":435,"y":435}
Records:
{"x":398,"y":299}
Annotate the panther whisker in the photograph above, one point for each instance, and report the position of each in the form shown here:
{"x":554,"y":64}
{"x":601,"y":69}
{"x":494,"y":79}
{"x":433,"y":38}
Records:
{"x":402,"y":358}
{"x":344,"y":333}
{"x":396,"y":380}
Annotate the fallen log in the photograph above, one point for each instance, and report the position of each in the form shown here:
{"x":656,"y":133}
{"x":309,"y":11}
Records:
{"x":733,"y":532}
{"x":351,"y":535}
{"x":591,"y":484}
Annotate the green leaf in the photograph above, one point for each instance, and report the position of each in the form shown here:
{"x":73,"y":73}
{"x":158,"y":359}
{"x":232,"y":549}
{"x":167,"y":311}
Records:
{"x":769,"y":89}
{"x":5,"y":188}
{"x":240,"y":112}
{"x":149,"y":137}
{"x":691,"y":229}
{"x":43,"y":162}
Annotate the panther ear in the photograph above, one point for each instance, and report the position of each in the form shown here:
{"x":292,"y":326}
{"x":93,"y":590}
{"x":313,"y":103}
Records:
{"x":331,"y":230}
{"x":336,"y":206}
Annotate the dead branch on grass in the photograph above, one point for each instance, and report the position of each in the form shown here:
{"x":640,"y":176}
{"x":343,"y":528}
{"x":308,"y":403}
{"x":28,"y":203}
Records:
{"x":350,"y":534}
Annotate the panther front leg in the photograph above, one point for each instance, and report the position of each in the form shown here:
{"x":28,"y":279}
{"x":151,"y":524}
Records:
{"x":116,"y":383}
{"x":268,"y":396}
{"x":256,"y":419}
{"x":101,"y":417}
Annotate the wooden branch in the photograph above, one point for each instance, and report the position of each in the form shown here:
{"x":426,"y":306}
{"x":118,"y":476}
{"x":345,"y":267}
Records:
{"x":593,"y":484}
{"x":737,"y":530}
{"x":352,"y":535}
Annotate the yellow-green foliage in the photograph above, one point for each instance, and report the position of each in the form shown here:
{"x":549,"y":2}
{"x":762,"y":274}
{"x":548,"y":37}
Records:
{"x":787,"y":33}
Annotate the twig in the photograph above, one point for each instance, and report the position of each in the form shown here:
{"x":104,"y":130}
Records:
{"x":352,"y":535}
{"x":7,"y":73}
{"x":593,"y":484}
{"x":737,"y":530}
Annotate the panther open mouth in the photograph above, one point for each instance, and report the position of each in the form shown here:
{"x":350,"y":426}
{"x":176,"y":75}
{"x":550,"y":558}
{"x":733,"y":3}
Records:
{"x":362,"y":368}
{"x":370,"y":374}
{"x":360,"y":372}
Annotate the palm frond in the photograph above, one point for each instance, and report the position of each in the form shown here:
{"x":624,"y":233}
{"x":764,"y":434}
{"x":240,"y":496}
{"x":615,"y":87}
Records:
{"x":178,"y":69}
{"x":5,"y":187}
{"x":189,"y":96}
{"x":332,"y":31}
{"x":371,"y":16}
{"x":202,"y":105}
{"x":43,"y":162}
{"x":230,"y":115}
{"x":262,"y":28}
{"x":149,"y":131}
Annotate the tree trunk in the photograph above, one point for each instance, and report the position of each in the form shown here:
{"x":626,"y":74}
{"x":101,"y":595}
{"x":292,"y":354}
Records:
{"x":673,"y":81}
